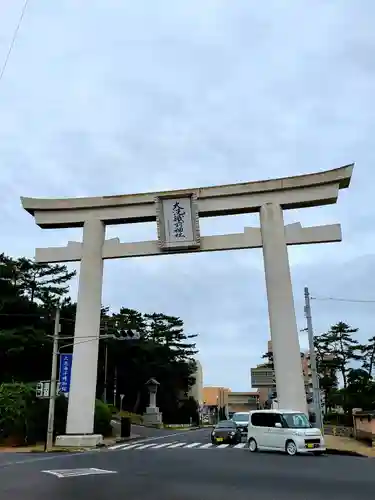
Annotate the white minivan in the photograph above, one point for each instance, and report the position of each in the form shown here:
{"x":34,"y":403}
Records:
{"x":283,"y":430}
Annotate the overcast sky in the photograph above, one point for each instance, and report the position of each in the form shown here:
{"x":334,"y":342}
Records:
{"x":119,"y":96}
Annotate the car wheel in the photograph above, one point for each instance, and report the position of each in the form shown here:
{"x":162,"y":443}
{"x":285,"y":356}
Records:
{"x":291,"y":448}
{"x":253,"y":447}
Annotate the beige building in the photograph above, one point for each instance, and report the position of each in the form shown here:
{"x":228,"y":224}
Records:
{"x":233,"y":401}
{"x":306,"y":371}
{"x":196,"y":390}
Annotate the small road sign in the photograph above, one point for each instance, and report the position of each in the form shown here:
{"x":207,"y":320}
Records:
{"x":43,"y":389}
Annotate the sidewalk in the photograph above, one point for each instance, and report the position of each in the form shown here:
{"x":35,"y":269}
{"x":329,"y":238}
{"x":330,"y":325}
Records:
{"x":347,"y":446}
{"x":39,"y":447}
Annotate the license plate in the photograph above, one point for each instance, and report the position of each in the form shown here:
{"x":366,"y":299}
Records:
{"x":310,"y":446}
{"x":219,"y":439}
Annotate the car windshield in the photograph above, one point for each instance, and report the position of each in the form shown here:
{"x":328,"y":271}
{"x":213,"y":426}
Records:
{"x":240,"y":417}
{"x":225,"y":424}
{"x":296,"y":420}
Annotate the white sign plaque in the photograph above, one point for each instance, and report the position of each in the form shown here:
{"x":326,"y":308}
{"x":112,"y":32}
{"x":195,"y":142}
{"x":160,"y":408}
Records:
{"x":178,"y":222}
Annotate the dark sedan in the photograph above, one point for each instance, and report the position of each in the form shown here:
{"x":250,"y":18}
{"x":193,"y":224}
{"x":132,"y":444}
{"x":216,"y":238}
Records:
{"x":226,"y":431}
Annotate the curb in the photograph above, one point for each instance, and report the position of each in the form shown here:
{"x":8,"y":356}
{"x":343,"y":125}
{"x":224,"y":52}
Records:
{"x":345,"y":453}
{"x":61,"y":450}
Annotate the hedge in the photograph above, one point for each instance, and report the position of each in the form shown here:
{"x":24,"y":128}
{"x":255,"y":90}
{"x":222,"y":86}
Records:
{"x":23,"y":417}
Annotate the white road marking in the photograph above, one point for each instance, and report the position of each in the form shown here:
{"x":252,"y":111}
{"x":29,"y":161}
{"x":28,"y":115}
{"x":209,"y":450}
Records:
{"x":118,"y":446}
{"x":181,"y":445}
{"x":164,"y":445}
{"x":61,"y":473}
{"x":163,"y":436}
{"x":192,"y":445}
{"x":145,"y":446}
{"x":130,"y":446}
{"x":177,"y":445}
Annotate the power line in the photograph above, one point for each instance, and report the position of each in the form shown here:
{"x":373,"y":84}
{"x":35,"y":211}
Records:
{"x":335,"y":299}
{"x":14,"y":38}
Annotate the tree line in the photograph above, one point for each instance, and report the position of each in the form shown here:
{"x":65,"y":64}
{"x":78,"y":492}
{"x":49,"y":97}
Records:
{"x":135,"y":346}
{"x":345,"y":368}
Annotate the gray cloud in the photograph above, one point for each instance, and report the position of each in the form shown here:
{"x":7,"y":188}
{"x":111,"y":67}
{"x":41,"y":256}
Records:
{"x":122,"y":97}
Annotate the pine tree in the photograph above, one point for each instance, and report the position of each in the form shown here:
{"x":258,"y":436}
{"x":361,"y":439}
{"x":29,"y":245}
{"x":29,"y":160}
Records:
{"x":368,"y":355}
{"x":44,"y":282}
{"x":336,"y":349}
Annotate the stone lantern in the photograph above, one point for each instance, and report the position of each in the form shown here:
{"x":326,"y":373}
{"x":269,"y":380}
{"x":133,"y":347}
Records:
{"x":152,"y":415}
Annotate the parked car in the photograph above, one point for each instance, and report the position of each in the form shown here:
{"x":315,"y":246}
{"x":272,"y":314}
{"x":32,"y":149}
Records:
{"x":241,"y":419}
{"x":226,"y":431}
{"x":283,"y":430}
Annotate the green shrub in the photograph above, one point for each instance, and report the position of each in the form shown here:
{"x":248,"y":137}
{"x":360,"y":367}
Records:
{"x":15,"y":410}
{"x":134,"y":417}
{"x":103,"y":417}
{"x":113,"y":409}
{"x":39,"y":418}
{"x":24,"y":417}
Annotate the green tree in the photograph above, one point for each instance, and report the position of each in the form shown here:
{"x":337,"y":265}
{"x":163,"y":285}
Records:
{"x":360,"y":390}
{"x":339,"y":349}
{"x":327,"y":367}
{"x":161,"y":349}
{"x":368,"y":356}
{"x":268,"y":356}
{"x":143,"y":346}
{"x":25,"y":325}
{"x":45,"y":282}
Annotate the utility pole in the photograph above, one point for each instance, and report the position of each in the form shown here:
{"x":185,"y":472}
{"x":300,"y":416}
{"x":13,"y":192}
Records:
{"x":314,"y":371}
{"x":115,"y":386}
{"x":105,"y":364}
{"x":105,"y":371}
{"x":52,"y":391}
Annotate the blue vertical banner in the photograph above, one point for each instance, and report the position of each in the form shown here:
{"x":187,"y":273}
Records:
{"x":65,"y":372}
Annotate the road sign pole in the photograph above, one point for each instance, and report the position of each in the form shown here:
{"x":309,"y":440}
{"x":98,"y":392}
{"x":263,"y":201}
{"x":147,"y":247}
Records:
{"x":52,"y":394}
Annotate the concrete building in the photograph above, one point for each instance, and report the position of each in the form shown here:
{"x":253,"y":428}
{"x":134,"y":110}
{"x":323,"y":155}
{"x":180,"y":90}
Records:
{"x":232,"y":401}
{"x":197,"y":389}
{"x":177,"y":214}
{"x":265,"y":392}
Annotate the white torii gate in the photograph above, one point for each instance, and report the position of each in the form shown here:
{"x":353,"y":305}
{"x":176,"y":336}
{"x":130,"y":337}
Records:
{"x":177,"y":215}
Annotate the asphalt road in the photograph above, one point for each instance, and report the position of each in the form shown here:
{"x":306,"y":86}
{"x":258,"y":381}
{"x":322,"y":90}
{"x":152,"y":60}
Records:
{"x":140,"y":430}
{"x":148,"y":470}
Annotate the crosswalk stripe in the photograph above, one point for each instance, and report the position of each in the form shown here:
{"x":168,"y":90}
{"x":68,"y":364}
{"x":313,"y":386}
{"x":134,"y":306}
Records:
{"x":174,"y":445}
{"x":177,"y":445}
{"x":164,"y":445}
{"x":192,"y":445}
{"x":130,"y":446}
{"x":240,"y":445}
{"x":122,"y":446}
{"x":146,"y":446}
